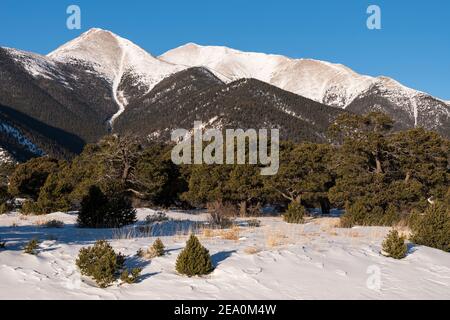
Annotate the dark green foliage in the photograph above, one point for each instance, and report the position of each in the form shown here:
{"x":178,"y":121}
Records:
{"x":100,"y":262}
{"x":31,"y":247}
{"x":105,"y":211}
{"x":4,"y":208}
{"x":194,"y":260}
{"x":30,"y":207}
{"x":433,"y":228}
{"x":305,"y":174}
{"x":365,"y":213}
{"x":158,"y":248}
{"x":53,"y":195}
{"x":130,"y":277}
{"x":394,"y":246}
{"x":159,"y":179}
{"x":28,"y":178}
{"x":294,"y":213}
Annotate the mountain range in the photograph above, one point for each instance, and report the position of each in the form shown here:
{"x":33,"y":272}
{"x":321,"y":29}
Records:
{"x":100,"y":83}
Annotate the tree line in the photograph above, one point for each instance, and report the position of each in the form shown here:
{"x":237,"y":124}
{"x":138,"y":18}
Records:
{"x":377,"y":175}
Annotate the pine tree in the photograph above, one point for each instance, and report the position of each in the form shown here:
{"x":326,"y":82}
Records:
{"x":156,"y":250}
{"x":100,"y":262}
{"x":294,"y":213}
{"x":433,"y":228}
{"x":105,"y":211}
{"x":394,"y":246}
{"x":194,"y":259}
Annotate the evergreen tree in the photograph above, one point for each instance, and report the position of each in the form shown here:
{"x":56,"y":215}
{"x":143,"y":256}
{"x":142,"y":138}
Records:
{"x":28,"y":178}
{"x":157,"y":178}
{"x":100,"y":262}
{"x":194,"y":259}
{"x":433,"y":228}
{"x":294,"y":213}
{"x":304,"y":175}
{"x":158,"y":248}
{"x":394,"y":246}
{"x":105,"y":211}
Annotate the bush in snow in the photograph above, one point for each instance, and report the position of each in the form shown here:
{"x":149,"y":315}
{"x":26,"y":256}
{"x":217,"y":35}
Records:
{"x":194,"y":260}
{"x":2,"y":245}
{"x":31,"y":247}
{"x":157,"y":249}
{"x":433,"y":228}
{"x":364,"y":212}
{"x":294,"y":213}
{"x":394,"y":246}
{"x":130,"y":276}
{"x":101,"y":211}
{"x":100,"y":262}
{"x":54,"y":224}
{"x":157,"y":217}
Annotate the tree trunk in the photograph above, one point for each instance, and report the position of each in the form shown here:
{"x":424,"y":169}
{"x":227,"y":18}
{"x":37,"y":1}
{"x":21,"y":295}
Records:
{"x":408,"y":176}
{"x":325,"y":205}
{"x":379,"y":167}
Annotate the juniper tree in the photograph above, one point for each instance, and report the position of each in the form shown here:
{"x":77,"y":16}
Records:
{"x":304,"y":175}
{"x":194,"y":259}
{"x":28,"y":178}
{"x":294,"y":213}
{"x":433,"y":228}
{"x":394,"y":245}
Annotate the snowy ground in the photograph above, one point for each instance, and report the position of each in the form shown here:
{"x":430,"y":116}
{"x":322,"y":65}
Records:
{"x":274,"y":261}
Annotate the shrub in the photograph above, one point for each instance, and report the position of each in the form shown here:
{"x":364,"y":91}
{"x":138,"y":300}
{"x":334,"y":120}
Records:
{"x":158,"y":217}
{"x":100,"y":211}
{"x":158,"y":248}
{"x":131,"y":277}
{"x":294,"y":213}
{"x":365,"y":213}
{"x":30,"y":207}
{"x":394,"y":245}
{"x":433,"y":228}
{"x":253,"y":223}
{"x":4,"y":208}
{"x":100,"y":262}
{"x":28,"y":178}
{"x":54,"y":224}
{"x":2,"y":244}
{"x":31,"y":247}
{"x":194,"y":259}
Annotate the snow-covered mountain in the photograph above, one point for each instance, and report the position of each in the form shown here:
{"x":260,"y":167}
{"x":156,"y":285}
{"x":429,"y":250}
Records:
{"x":328,"y":83}
{"x":96,"y":83}
{"x":321,"y":81}
{"x":115,"y":58}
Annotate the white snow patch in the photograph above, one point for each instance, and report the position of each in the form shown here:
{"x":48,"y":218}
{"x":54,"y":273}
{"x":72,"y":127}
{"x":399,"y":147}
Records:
{"x":21,"y":139}
{"x":310,"y":261}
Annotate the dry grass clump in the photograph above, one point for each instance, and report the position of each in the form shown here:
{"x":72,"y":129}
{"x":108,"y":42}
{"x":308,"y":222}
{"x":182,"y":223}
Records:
{"x":252,"y":250}
{"x":226,"y":234}
{"x":276,"y":239}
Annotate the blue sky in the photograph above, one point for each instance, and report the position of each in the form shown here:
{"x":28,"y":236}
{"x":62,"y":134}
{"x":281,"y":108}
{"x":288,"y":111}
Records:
{"x":412,"y":47}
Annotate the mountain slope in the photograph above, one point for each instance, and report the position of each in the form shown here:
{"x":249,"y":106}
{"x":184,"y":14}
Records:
{"x":118,"y":61}
{"x":196,"y":94}
{"x":327,"y":83}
